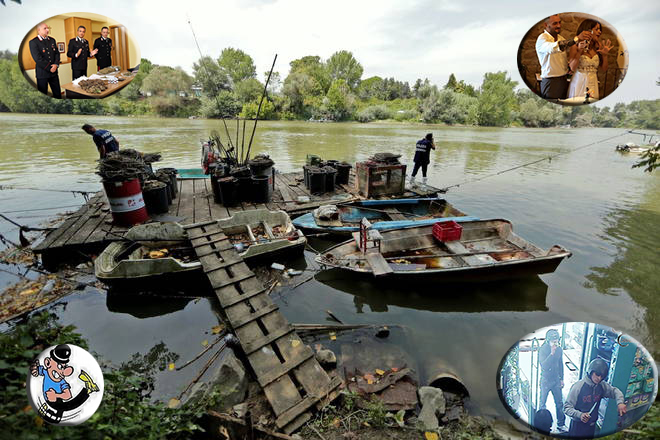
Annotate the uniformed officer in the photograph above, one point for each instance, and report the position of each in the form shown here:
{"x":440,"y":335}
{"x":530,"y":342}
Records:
{"x":104,"y":140}
{"x":79,"y":52}
{"x":47,"y":58}
{"x":103,"y":45}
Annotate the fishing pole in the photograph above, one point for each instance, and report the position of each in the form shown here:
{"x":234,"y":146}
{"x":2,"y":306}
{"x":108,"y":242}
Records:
{"x":74,"y":192}
{"x":445,"y":189}
{"x":263,"y":95}
{"x":208,"y":74}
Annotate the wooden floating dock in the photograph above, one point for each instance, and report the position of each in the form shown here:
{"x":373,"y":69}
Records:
{"x":90,"y":229}
{"x":292,"y":379}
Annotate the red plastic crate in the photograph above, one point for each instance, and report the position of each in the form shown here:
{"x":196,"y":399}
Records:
{"x":447,"y":231}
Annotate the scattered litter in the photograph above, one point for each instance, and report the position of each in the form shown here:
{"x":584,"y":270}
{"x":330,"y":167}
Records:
{"x":277,"y":266}
{"x":293,"y":272}
{"x":303,"y":199}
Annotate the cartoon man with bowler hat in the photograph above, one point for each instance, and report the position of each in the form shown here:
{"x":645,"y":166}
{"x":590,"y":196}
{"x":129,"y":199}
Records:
{"x":56,"y":390}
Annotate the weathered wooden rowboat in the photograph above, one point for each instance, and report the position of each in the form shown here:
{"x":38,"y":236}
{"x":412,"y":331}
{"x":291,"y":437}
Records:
{"x":487,"y":249}
{"x":383,"y":214}
{"x":255,"y":234}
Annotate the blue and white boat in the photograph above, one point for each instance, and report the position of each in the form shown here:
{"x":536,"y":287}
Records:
{"x":382,"y":214}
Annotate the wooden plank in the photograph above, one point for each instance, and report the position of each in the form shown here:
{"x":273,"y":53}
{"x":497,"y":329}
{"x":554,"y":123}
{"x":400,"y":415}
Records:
{"x":212,"y":251}
{"x":253,"y":345}
{"x":64,"y":227}
{"x":282,"y":369}
{"x":209,"y":233}
{"x":282,"y":395}
{"x":71,"y":236}
{"x":297,"y":422}
{"x":96,"y":219}
{"x":202,"y":209}
{"x":198,"y":225}
{"x":394,"y":213}
{"x":378,"y":264}
{"x":291,"y":413}
{"x":186,"y":202}
{"x":218,"y":285}
{"x":222,"y":265}
{"x":258,"y":313}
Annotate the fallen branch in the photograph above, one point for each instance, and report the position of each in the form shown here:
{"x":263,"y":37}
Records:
{"x":220,"y":338}
{"x":201,"y":373}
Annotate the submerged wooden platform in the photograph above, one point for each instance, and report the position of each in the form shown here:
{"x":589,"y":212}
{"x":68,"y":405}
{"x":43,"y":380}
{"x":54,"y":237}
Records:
{"x":90,"y":229}
{"x":292,"y":379}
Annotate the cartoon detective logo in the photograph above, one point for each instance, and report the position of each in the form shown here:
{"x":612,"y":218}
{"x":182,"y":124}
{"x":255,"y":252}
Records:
{"x":65,"y":385}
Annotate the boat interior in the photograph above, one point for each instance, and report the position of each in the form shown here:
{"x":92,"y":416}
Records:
{"x":423,"y":209}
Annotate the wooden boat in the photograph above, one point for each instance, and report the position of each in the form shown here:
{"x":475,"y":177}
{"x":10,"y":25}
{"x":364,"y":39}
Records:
{"x":383,"y":214}
{"x":487,"y":249}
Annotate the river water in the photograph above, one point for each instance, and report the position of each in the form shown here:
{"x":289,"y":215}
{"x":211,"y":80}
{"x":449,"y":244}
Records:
{"x":589,"y":201}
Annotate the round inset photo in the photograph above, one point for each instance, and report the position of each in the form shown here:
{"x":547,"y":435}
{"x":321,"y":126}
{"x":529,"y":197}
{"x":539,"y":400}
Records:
{"x":577,"y":380}
{"x":65,"y":385}
{"x":572,"y":58}
{"x":79,"y":55}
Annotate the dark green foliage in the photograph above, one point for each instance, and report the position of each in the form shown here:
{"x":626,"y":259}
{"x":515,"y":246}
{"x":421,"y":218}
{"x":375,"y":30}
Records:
{"x":126,"y":410}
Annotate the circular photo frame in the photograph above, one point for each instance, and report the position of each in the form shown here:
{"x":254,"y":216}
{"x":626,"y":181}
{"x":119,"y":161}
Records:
{"x":79,"y":55}
{"x":572,"y":58}
{"x":577,"y":380}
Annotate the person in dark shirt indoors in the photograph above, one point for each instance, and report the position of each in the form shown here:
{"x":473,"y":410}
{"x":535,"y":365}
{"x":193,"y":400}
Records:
{"x":552,"y":375}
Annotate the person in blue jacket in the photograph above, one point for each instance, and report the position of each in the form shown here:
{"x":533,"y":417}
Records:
{"x":422,"y":157}
{"x":104,"y":140}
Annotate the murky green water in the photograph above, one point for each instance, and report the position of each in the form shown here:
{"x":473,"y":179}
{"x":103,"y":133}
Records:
{"x":590,"y":201}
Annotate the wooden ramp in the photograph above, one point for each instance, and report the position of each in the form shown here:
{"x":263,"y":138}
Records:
{"x":292,"y":379}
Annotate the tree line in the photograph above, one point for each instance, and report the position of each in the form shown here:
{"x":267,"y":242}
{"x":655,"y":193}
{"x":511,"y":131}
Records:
{"x":317,"y":89}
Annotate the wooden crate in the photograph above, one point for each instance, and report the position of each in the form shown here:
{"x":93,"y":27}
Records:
{"x":380,"y":179}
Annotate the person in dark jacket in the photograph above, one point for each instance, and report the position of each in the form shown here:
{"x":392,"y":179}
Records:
{"x":422,"y":157}
{"x":552,"y":375}
{"x":79,"y":52}
{"x":103,"y":45}
{"x":104,"y":140}
{"x":47,"y":58}
{"x":584,"y":399}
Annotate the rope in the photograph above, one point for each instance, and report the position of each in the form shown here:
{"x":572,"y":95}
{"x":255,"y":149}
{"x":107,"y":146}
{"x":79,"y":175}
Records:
{"x":25,"y":228}
{"x":72,"y":191}
{"x":42,"y":209}
{"x":465,"y":182}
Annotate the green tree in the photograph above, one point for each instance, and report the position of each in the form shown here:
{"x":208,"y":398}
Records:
{"x":248,"y":90}
{"x":340,"y":102}
{"x":132,"y":91}
{"x":165,"y":80}
{"x":238,"y":65}
{"x":249,"y":110}
{"x":301,"y":88}
{"x":343,"y":65}
{"x":223,"y":105}
{"x":497,"y":100}
{"x":208,"y":74}
{"x":314,"y":68}
{"x":452,"y":82}
{"x":371,"y":87}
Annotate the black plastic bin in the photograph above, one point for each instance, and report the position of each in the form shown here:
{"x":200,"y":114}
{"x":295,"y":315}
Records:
{"x":330,"y":174}
{"x":165,"y":178}
{"x":172,"y":172}
{"x":155,"y":197}
{"x":262,"y":190}
{"x":245,"y":189}
{"x":343,"y":173}
{"x":228,"y":189}
{"x":316,"y":178}
{"x":215,"y":188}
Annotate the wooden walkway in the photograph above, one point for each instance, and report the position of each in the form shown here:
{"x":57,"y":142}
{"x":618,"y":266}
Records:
{"x":292,"y":379}
{"x":90,"y":229}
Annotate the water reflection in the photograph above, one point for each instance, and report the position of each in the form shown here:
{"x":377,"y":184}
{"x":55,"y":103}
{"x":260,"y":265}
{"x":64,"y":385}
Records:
{"x":144,"y":306}
{"x":521,"y":295}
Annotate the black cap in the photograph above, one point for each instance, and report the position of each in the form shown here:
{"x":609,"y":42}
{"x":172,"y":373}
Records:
{"x":429,"y":136}
{"x":61,"y":354}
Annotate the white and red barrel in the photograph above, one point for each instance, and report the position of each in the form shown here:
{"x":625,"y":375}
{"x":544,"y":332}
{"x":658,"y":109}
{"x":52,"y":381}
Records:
{"x":126,"y":202}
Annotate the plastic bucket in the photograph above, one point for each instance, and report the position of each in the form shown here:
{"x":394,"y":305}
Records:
{"x":164,"y":177}
{"x":316,"y":180}
{"x":126,"y":202}
{"x":262,"y":189}
{"x":228,"y":189}
{"x":172,"y":172}
{"x":343,"y":173}
{"x":215,"y":188}
{"x":330,"y":174}
{"x":155,"y":198}
{"x":245,"y":189}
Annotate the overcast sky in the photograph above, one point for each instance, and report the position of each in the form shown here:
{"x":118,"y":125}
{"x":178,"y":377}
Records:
{"x":401,"y":39}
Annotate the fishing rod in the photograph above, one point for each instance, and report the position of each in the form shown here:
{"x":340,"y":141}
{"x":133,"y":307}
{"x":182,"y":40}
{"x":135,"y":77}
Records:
{"x":263,"y":95}
{"x":74,"y":192}
{"x":465,"y":182}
